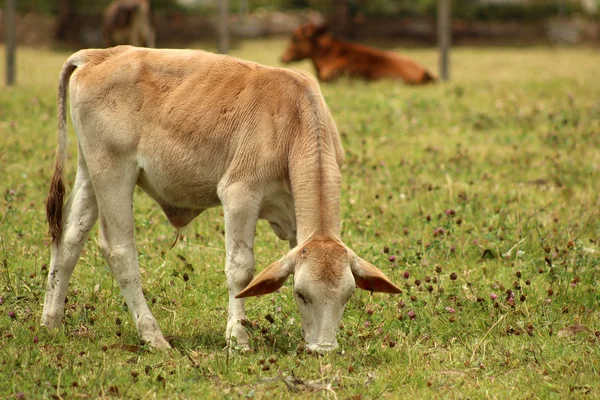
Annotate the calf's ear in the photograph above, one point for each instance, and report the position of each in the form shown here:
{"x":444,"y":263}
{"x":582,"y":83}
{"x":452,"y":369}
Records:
{"x":269,"y":280}
{"x":369,"y":277}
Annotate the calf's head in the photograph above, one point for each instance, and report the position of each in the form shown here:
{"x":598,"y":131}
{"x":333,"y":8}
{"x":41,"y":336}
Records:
{"x":325,"y":273}
{"x":303,"y":42}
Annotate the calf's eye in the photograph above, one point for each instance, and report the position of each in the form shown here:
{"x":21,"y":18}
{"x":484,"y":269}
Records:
{"x":301,"y":297}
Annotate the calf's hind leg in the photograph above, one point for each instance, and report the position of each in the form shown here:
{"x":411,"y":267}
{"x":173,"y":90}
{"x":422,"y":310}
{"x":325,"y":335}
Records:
{"x":79,"y":215}
{"x":117,"y":244}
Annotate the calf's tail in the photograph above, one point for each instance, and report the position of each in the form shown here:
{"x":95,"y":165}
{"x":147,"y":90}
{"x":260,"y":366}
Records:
{"x":56,"y":194}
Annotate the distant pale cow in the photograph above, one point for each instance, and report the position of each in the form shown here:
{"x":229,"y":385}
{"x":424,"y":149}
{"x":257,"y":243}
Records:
{"x":334,"y":58}
{"x":128,"y":22}
{"x":195,"y":130}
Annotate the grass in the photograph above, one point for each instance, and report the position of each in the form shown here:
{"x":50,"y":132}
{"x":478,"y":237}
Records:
{"x":478,"y":197}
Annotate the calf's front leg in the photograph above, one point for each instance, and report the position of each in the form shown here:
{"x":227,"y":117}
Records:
{"x":240,"y":209}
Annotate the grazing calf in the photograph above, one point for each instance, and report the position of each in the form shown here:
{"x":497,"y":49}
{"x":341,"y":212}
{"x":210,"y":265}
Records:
{"x":333,"y":58}
{"x":195,"y":130}
{"x":128,"y":22}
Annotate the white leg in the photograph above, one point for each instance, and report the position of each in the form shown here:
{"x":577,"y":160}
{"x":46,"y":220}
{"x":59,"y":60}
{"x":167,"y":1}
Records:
{"x":240,"y":209}
{"x":117,"y":243}
{"x":79,"y":215}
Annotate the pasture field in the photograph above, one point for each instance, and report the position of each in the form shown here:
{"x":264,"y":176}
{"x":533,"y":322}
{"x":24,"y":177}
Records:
{"x":478,"y":197}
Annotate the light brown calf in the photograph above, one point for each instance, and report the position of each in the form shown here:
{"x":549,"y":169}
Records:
{"x":195,"y":130}
{"x":128,"y":22}
{"x":333,"y":58}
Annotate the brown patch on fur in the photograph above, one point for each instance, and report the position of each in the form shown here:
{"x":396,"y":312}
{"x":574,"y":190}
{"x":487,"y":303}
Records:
{"x":328,"y":259}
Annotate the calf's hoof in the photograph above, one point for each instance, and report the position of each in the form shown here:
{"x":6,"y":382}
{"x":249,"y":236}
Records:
{"x":237,"y":338}
{"x":235,"y":348}
{"x":51,"y":322}
{"x":151,"y":334}
{"x":322,"y":348}
{"x":158,"y":342}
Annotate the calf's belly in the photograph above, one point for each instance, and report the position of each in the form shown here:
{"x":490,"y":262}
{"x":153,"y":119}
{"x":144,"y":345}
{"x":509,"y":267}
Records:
{"x":181,"y":199}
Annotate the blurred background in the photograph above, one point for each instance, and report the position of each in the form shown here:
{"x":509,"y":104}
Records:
{"x":180,"y":23}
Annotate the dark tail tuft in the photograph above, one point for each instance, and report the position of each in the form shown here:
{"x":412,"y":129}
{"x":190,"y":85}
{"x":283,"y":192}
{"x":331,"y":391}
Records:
{"x":54,"y":205}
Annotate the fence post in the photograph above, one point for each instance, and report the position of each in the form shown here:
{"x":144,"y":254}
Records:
{"x":444,"y":31}
{"x":11,"y":41}
{"x":223,"y":26}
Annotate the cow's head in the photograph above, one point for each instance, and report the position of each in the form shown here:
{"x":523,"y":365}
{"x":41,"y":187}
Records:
{"x":326,"y":273}
{"x":303,"y":42}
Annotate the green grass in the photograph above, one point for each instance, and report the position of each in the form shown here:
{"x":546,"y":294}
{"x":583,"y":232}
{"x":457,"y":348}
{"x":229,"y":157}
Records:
{"x":511,"y":145}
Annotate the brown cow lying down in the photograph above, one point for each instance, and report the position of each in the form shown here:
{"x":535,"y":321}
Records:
{"x":333,"y":57}
{"x":128,"y":22}
{"x":196,"y":130}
